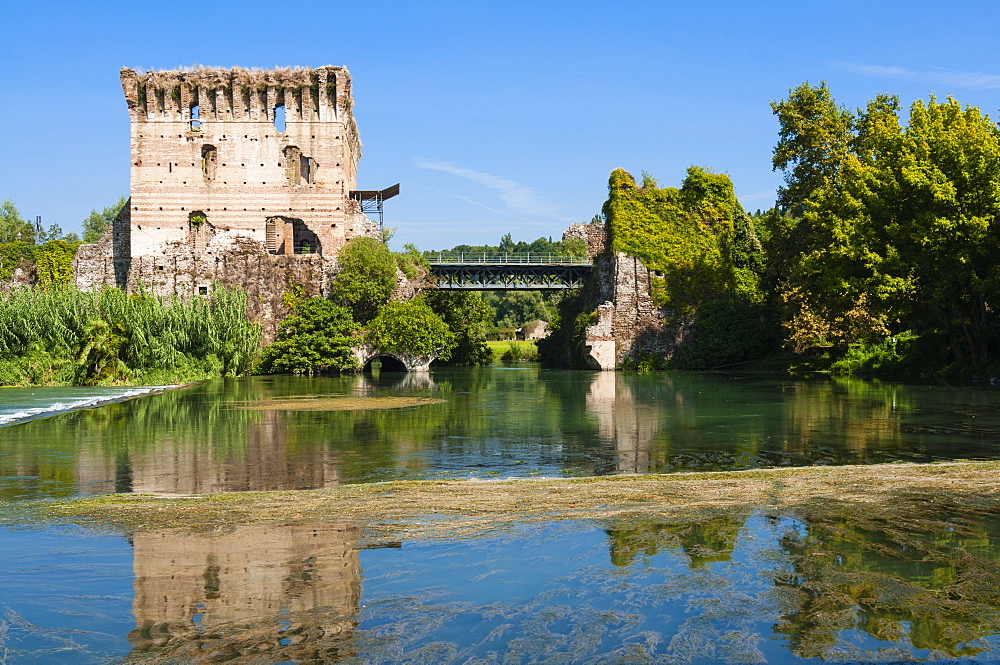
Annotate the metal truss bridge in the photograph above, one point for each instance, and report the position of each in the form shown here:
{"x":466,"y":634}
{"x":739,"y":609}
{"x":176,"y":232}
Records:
{"x":508,"y":272}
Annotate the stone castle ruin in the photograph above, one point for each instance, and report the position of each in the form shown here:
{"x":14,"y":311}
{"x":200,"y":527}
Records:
{"x":246,"y":177}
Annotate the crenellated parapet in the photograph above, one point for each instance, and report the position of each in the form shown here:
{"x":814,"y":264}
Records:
{"x":238,"y":93}
{"x":206,"y":94}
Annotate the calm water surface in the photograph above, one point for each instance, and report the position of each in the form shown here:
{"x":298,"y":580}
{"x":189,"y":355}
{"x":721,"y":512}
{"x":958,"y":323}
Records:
{"x":492,"y":422}
{"x":731,"y":590}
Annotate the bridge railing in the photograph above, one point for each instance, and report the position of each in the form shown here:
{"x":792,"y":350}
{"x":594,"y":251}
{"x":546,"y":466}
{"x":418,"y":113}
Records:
{"x":482,"y":258}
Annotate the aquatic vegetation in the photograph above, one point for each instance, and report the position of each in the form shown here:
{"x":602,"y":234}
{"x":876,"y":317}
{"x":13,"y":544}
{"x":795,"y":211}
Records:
{"x":467,"y":506}
{"x":333,"y":403}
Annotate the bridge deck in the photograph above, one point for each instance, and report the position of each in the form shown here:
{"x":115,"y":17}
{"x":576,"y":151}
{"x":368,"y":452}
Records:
{"x":509,"y":272}
{"x":474,"y":258}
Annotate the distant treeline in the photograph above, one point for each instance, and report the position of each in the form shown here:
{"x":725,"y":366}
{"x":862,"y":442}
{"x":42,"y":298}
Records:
{"x":540,"y":247}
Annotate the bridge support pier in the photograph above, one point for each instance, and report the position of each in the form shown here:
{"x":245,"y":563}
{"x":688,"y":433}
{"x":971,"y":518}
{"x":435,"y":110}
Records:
{"x":600,"y":344}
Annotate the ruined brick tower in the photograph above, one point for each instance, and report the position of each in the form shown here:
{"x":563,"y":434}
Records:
{"x":222,"y":156}
{"x":239,"y":177}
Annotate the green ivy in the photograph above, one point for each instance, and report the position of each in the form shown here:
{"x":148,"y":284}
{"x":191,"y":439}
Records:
{"x":54,"y":263}
{"x":697,"y":238}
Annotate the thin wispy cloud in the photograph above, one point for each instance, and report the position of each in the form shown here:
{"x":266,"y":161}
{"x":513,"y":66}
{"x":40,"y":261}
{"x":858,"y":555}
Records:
{"x":519,"y":197}
{"x":472,"y":201}
{"x":948,"y":78}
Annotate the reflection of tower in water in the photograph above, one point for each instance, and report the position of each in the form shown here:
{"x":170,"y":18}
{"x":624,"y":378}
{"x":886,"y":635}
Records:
{"x":284,"y":592}
{"x":263,"y":461}
{"x":623,"y":423}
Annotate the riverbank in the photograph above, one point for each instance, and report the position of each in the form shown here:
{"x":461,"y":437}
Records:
{"x":903,"y":495}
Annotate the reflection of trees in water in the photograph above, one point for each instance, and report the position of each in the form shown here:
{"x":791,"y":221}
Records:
{"x":703,"y":541}
{"x":259,"y":593}
{"x":860,"y":416}
{"x":846,"y":579}
{"x":722,"y":423}
{"x":922,"y":579}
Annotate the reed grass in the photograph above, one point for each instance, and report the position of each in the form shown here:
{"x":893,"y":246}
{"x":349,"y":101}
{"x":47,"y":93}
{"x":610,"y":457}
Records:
{"x":67,"y":336}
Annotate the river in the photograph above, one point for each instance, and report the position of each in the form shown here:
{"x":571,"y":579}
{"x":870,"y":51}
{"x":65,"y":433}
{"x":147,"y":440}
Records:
{"x":570,"y":591}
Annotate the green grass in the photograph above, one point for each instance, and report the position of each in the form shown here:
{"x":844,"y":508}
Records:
{"x":522,"y":349}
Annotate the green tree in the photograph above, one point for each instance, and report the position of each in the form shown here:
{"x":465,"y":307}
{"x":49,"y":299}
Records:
{"x":826,"y":261}
{"x":98,"y":222}
{"x":507,"y":245}
{"x":411,"y":327}
{"x":515,"y":308}
{"x":366,"y":277}
{"x":469,"y":318}
{"x":814,"y":142}
{"x":930,"y":204}
{"x":571,"y":247}
{"x":902,"y":234}
{"x":315,"y":339}
{"x":13,"y":228}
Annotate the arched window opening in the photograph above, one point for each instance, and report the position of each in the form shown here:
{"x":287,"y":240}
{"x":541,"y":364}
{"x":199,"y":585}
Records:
{"x":195,"y":118}
{"x":279,"y":118}
{"x":209,"y":160}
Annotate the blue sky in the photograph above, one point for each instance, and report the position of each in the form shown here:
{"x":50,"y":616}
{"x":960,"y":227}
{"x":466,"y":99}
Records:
{"x":494,"y":117}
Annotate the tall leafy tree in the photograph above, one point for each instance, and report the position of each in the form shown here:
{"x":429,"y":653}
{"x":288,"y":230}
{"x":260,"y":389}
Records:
{"x":814,"y":141}
{"x":934,"y":195}
{"x":366,"y":277}
{"x":13,"y":228}
{"x":468,"y":317}
{"x":99,"y":221}
{"x":902,"y":232}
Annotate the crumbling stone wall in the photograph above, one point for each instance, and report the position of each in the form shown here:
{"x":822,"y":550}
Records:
{"x":594,"y":234}
{"x":24,"y":275}
{"x":265,"y":277}
{"x":629,"y":324}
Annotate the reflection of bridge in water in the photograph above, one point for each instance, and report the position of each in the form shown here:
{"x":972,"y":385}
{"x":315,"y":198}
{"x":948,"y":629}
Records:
{"x":508,"y":272}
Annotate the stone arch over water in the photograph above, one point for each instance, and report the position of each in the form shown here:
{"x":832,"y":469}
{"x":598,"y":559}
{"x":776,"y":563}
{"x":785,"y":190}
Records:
{"x":390,"y":363}
{"x":397,"y":362}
